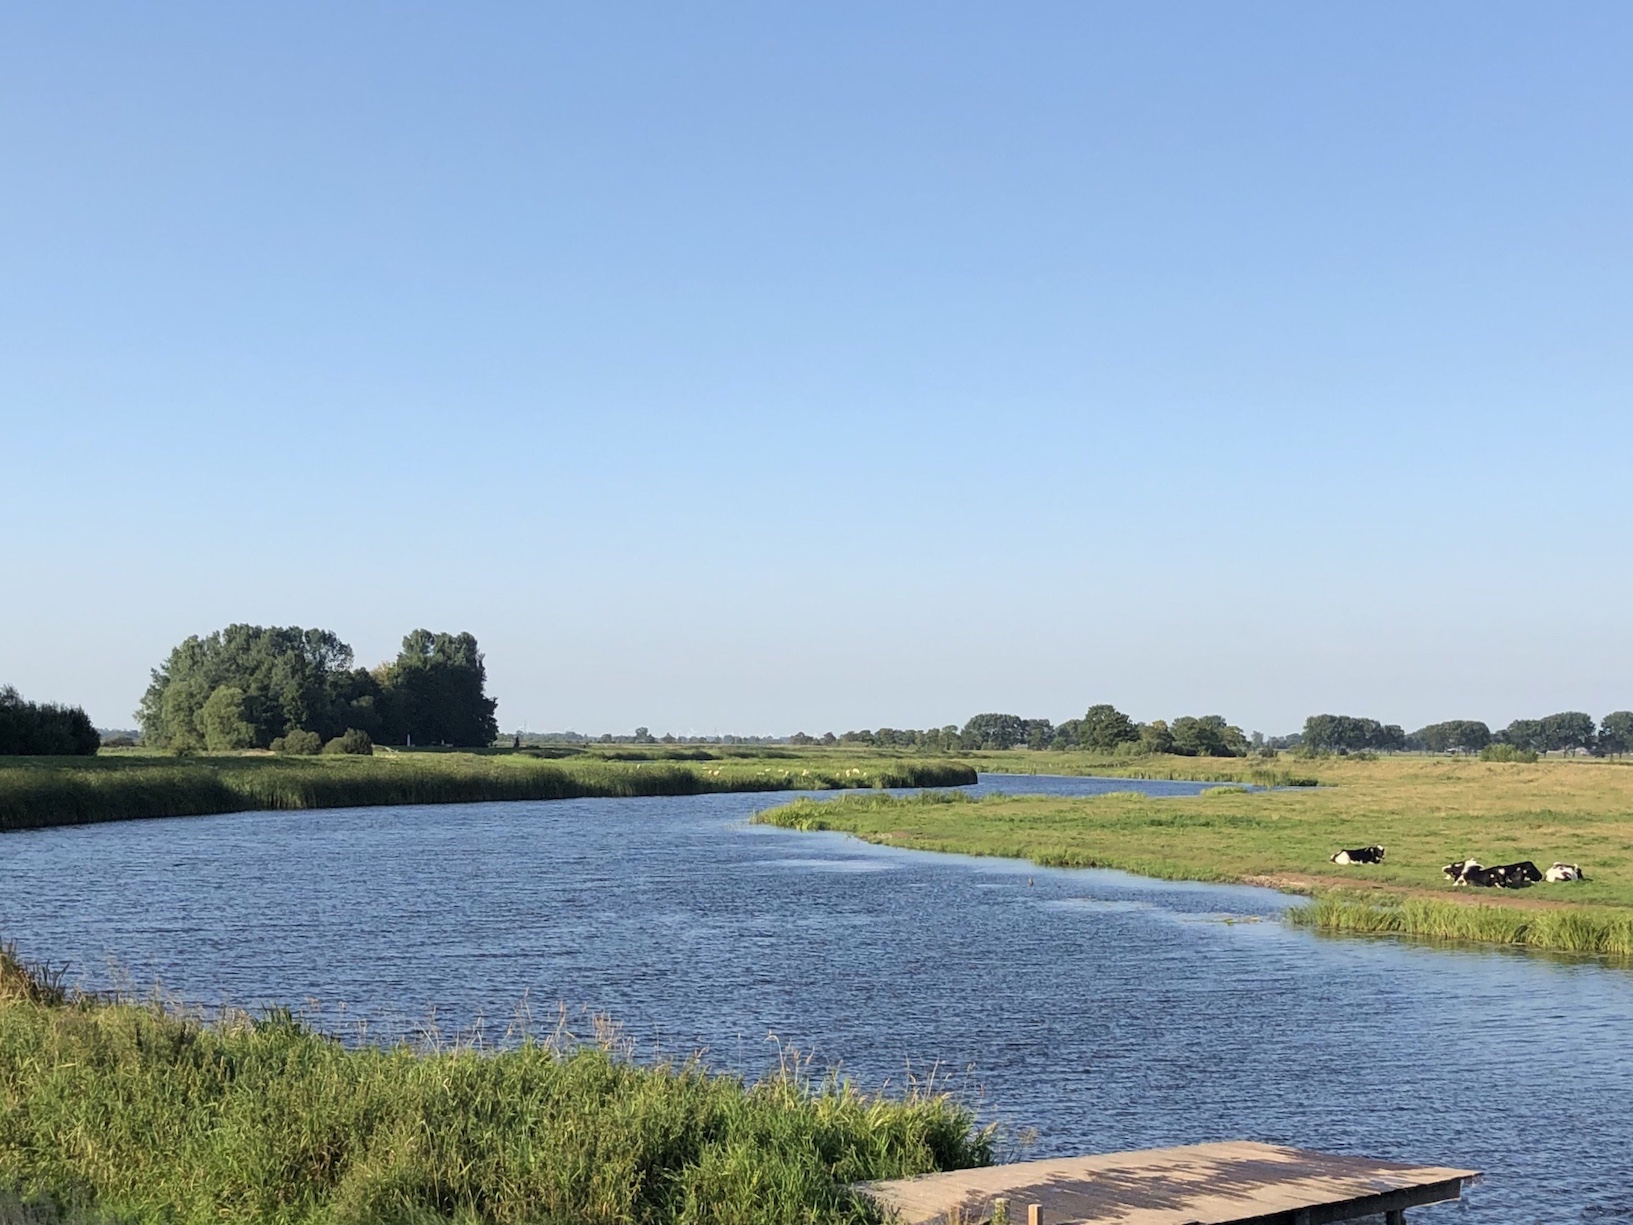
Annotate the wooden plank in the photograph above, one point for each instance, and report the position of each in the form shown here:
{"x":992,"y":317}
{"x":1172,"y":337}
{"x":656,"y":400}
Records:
{"x":1201,"y":1184}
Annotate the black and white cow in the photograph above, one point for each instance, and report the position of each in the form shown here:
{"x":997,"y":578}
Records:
{"x":1503,"y":876}
{"x":1362,"y":854}
{"x":1561,"y":872}
{"x":1517,"y":875}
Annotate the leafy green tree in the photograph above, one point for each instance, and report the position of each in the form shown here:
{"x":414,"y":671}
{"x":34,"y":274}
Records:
{"x":1208,"y":736}
{"x":1453,"y":736}
{"x":1568,"y":731}
{"x":1155,"y":737}
{"x":1616,"y":733}
{"x":1522,"y":734}
{"x":993,"y":731}
{"x":1104,"y":728}
{"x":437,"y":692}
{"x":221,"y":722}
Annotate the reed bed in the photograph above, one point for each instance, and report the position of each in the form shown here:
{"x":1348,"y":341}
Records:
{"x":128,"y":1112}
{"x":1567,"y":930}
{"x":42,"y":792}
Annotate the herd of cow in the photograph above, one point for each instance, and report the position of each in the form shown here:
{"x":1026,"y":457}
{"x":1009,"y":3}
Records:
{"x":1468,"y":872}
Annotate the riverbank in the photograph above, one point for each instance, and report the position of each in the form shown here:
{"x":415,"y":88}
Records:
{"x":1425,"y":811}
{"x":128,"y":1113}
{"x":49,"y":791}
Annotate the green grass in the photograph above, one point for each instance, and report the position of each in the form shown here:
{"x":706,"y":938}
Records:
{"x":119,"y":1112}
{"x":1575,"y":929}
{"x":1426,"y":811}
{"x":36,"y":792}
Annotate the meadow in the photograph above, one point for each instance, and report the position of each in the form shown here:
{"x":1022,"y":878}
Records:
{"x":127,"y":1112}
{"x":1427,"y":812}
{"x":123,"y":784}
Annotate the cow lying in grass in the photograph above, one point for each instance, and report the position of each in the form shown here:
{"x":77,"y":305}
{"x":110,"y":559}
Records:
{"x":1562,"y":872}
{"x":1363,"y":854}
{"x":1503,"y":876}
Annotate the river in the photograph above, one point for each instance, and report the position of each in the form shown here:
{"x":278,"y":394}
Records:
{"x":1085,"y":1010}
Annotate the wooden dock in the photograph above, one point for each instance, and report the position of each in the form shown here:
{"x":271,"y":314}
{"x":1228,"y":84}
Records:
{"x":1202,"y":1184}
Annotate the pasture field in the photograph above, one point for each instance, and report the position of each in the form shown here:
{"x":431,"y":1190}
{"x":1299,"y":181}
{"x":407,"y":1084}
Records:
{"x":121,"y":1112}
{"x":121,"y":785}
{"x":1427,"y":812}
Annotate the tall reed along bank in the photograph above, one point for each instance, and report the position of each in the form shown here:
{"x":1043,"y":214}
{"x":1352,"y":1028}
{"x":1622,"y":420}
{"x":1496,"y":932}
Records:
{"x":1425,"y":811}
{"x":116,"y":1112}
{"x":45,"y":791}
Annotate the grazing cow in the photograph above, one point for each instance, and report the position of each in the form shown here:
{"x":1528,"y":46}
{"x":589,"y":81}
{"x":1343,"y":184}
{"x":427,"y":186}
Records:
{"x":1363,"y":854}
{"x":1563,"y":872}
{"x":1454,"y":871}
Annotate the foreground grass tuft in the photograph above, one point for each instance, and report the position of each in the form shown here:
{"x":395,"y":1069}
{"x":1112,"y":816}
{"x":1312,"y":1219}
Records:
{"x":114,"y":1111}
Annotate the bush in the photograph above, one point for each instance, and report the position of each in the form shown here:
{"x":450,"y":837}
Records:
{"x":1506,"y":752}
{"x":298,"y":743}
{"x":44,"y":730}
{"x":351,"y":741}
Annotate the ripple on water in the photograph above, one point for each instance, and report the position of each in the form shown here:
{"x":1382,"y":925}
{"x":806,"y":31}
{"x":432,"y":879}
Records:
{"x":1104,"y":1010}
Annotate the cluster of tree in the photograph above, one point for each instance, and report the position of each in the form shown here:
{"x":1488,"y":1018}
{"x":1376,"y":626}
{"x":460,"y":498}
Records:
{"x":1103,"y":728}
{"x":1348,"y":734}
{"x":44,"y":729}
{"x":1190,"y":736}
{"x":1571,"y":731}
{"x":1452,"y":736}
{"x":248,"y":685}
{"x":1568,"y":731}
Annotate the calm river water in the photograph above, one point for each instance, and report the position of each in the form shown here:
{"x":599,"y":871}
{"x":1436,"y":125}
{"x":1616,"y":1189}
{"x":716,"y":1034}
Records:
{"x":1101,"y":1010}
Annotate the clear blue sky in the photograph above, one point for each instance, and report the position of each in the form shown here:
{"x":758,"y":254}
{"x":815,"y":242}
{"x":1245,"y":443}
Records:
{"x":764,"y":368}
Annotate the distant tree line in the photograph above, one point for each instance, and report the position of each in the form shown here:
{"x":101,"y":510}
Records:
{"x":1102,"y":729}
{"x":1106,"y":729}
{"x":1570,"y":731}
{"x":44,"y":729}
{"x":1347,"y":734}
{"x":248,"y":685}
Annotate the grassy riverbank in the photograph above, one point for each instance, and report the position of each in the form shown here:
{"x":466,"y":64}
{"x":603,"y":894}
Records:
{"x":45,"y":791}
{"x":118,"y":1112}
{"x":1426,"y":811}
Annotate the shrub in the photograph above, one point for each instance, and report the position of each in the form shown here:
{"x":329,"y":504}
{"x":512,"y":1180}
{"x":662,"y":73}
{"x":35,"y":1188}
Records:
{"x":298,"y":743}
{"x":351,"y":741}
{"x":44,"y":730}
{"x":1507,"y":752}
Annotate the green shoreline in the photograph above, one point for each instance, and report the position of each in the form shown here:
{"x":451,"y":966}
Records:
{"x":45,"y":792}
{"x":1565,"y":930}
{"x":1004,"y":827}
